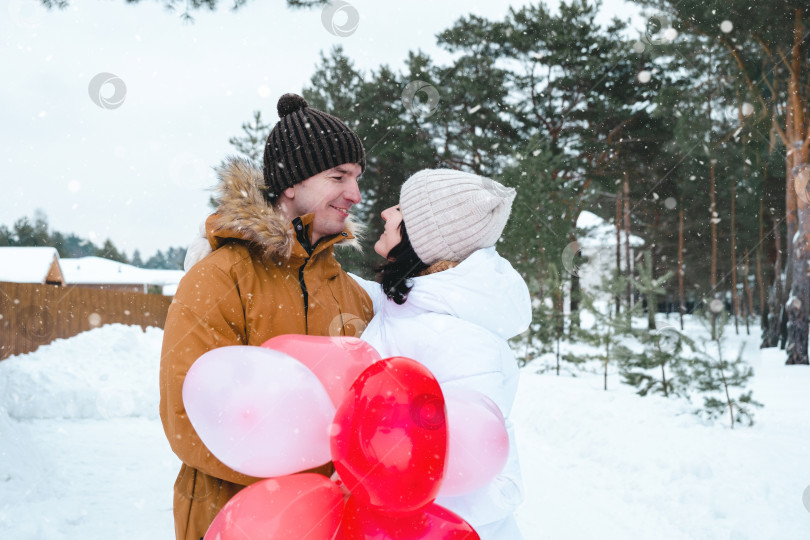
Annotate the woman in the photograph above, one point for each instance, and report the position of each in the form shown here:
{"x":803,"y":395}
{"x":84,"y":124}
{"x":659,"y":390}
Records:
{"x":448,"y":300}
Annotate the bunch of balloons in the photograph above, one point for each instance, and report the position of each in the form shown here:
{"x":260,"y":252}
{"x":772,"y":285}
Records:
{"x":397,"y":441}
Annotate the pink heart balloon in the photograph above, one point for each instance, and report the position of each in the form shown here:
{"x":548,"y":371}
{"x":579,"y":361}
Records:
{"x":259,"y":411}
{"x":434,"y":522}
{"x":478,"y":444}
{"x":337,"y":361}
{"x":299,"y":506}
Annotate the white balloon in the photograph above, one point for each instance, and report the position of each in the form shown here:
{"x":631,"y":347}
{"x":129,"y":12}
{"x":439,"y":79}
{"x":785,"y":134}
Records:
{"x":478,"y":443}
{"x":259,"y":411}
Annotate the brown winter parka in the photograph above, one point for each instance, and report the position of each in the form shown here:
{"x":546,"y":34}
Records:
{"x":260,"y":281}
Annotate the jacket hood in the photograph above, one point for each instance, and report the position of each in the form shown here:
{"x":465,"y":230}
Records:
{"x":483,"y":289}
{"x":244,"y":214}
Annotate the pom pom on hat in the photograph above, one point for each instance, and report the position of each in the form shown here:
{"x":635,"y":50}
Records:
{"x":289,"y":103}
{"x":450,"y":214}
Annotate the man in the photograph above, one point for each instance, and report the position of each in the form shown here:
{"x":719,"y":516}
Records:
{"x":272,"y":272}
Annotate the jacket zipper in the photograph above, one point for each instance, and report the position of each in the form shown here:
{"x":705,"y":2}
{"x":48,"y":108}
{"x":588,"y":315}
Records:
{"x":305,"y":293}
{"x":301,"y":233}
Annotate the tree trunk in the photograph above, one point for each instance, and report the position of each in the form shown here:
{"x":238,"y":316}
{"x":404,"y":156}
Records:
{"x":628,"y":268}
{"x":798,"y":306}
{"x":576,"y":293}
{"x":713,"y":216}
{"x":652,"y":300}
{"x":775,"y":297}
{"x":746,"y":288}
{"x":786,"y":287}
{"x":763,"y":311}
{"x":653,"y":304}
{"x":714,"y":219}
{"x":559,"y":322}
{"x":735,"y":298}
{"x":750,"y":296}
{"x":681,"y":299}
{"x":558,"y":354}
{"x":721,"y":367}
{"x":618,"y":299}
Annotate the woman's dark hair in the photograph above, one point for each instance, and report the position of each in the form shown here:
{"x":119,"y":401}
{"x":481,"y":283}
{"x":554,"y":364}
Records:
{"x":403,"y":263}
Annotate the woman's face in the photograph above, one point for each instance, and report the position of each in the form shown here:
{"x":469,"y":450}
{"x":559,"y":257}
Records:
{"x":390,"y":236}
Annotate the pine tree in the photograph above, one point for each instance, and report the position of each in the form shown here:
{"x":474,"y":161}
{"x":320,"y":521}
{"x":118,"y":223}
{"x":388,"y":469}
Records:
{"x":186,"y":7}
{"x":771,"y":53}
{"x":27,"y":233}
{"x":541,"y":336}
{"x":136,"y":259}
{"x":6,"y":236}
{"x":175,"y":257}
{"x":158,"y":260}
{"x":700,"y":76}
{"x":251,"y":144}
{"x":472,"y":123}
{"x":611,"y":329}
{"x":659,"y":365}
{"x":534,"y":238}
{"x":574,"y":88}
{"x":650,"y":287}
{"x":109,"y":251}
{"x":722,"y":380}
{"x":36,"y":232}
{"x":550,"y":317}
{"x":72,"y":246}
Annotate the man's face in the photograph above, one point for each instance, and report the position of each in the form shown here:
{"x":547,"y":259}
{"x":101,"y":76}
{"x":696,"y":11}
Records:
{"x":328,"y":195}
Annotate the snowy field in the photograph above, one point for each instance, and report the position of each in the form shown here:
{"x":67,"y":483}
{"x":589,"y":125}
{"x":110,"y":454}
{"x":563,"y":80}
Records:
{"x":83,"y":456}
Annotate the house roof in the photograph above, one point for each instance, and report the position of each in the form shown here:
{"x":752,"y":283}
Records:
{"x":600,"y":233}
{"x":30,"y":264}
{"x":95,"y":270}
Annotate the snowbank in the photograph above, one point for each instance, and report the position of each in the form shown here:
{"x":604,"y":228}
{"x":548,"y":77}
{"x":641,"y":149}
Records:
{"x":82,"y":451}
{"x":108,"y":372}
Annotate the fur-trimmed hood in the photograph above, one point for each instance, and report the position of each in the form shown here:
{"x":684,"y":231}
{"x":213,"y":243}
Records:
{"x":244,"y":214}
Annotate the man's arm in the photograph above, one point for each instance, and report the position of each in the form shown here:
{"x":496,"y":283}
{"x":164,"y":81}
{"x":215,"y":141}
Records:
{"x":206,"y":313}
{"x":373,"y":290}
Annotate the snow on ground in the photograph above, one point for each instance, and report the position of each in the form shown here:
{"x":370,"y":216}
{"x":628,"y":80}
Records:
{"x":611,"y":464}
{"x":82,"y":450}
{"x":83,"y":455}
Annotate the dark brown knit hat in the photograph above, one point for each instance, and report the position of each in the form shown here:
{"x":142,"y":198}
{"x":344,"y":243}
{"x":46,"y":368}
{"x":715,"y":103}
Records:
{"x":305,"y":142}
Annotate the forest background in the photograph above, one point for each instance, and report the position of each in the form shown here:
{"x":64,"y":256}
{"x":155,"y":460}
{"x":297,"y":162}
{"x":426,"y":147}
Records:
{"x":693,"y":135}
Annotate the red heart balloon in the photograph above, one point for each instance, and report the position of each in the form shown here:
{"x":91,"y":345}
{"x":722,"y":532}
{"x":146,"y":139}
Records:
{"x":434,"y":522}
{"x":389,"y":437}
{"x":301,"y":506}
{"x":336,"y":360}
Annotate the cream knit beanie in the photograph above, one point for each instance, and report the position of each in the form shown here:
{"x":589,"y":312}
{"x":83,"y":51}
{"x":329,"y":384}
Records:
{"x":449,"y":214}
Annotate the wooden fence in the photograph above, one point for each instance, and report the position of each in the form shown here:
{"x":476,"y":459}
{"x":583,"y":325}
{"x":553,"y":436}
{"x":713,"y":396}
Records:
{"x":32,"y":315}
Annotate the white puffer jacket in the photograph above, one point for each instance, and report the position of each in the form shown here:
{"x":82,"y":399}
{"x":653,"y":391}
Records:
{"x":456,"y":322}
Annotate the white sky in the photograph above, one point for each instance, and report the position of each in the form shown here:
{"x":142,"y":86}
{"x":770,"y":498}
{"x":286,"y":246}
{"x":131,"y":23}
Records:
{"x":137,"y":173}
